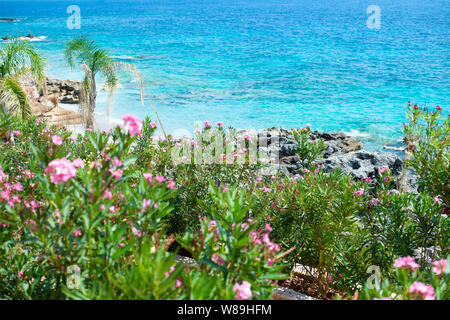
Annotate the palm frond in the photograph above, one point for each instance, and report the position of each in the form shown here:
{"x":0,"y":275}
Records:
{"x":14,"y":98}
{"x":19,"y":56}
{"x":80,"y":50}
{"x":134,"y":72}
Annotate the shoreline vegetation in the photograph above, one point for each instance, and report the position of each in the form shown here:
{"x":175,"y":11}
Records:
{"x":312,"y":211}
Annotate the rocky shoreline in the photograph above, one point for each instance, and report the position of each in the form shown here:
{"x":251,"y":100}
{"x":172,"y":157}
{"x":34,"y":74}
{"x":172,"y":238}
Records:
{"x":342,"y":151}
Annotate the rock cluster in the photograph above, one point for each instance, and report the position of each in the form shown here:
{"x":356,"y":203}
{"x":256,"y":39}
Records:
{"x":27,"y":37}
{"x":67,"y":91}
{"x":341,"y":152}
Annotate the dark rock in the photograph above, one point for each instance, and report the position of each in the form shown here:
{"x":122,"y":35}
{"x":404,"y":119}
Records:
{"x":361,"y":164}
{"x":5,"y":38}
{"x":67,"y":91}
{"x":7,"y":19}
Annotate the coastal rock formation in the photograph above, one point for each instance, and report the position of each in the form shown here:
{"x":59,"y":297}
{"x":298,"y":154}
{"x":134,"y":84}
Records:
{"x":28,"y":37}
{"x":361,"y":164}
{"x":341,"y":152}
{"x":67,"y":91}
{"x":7,"y":19}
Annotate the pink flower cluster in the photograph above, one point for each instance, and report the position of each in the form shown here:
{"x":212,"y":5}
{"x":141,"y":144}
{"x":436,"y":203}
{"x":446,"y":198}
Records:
{"x":439,"y":266}
{"x":384,"y":169}
{"x":57,"y":140}
{"x":420,"y":290}
{"x":217,"y":259}
{"x":243,"y":291}
{"x":62,"y":170}
{"x":132,"y":124}
{"x":406,"y":263}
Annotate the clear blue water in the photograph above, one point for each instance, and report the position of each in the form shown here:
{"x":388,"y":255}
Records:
{"x":261,"y":63}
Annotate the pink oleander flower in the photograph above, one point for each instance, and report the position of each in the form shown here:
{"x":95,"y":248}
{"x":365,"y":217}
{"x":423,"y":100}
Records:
{"x":153,"y":124}
{"x":136,"y":231}
{"x":360,"y":192}
{"x":78,"y":163}
{"x":148,"y":177}
{"x":387,"y":179}
{"x":133,"y":125}
{"x":437,"y":200}
{"x":220,"y":124}
{"x":383,"y":169}
{"x":248,"y":137}
{"x":3,"y":176}
{"x":20,"y":274}
{"x":146,"y":203}
{"x":374,"y":201}
{"x":420,"y":290}
{"x":224,"y":189}
{"x":208,"y":124}
{"x":368,"y":179}
{"x":243,"y":291}
{"x":117,"y":162}
{"x":61,"y":170}
{"x":265,"y":190}
{"x":439,"y":266}
{"x":57,"y":140}
{"x":215,"y":258}
{"x":171,"y":185}
{"x":16,"y":133}
{"x":177,"y":283}
{"x":268,"y":228}
{"x":406,"y":263}
{"x":18,"y":186}
{"x":77,"y":233}
{"x":108,"y":194}
{"x":160,"y":179}
{"x":116,"y":173}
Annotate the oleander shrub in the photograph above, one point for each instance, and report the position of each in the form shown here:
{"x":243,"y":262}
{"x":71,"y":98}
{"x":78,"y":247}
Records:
{"x":428,"y":140}
{"x":411,"y":282}
{"x":90,"y":217}
{"x":103,"y":215}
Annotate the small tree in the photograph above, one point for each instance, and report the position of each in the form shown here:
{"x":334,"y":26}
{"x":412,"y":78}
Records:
{"x":94,"y":60}
{"x":18,"y":58}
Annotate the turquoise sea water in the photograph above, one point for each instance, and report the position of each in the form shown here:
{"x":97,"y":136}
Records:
{"x":261,"y":63}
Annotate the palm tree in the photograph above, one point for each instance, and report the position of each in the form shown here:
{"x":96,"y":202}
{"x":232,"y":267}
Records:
{"x":18,"y":59}
{"x":93,"y":61}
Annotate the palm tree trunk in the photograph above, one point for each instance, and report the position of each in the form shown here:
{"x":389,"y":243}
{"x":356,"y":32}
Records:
{"x":91,"y":108}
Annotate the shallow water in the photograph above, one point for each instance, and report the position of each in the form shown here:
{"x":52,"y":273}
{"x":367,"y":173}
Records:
{"x":258,"y":64}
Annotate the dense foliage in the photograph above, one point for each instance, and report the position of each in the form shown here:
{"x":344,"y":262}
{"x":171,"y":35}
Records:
{"x":104,"y":215}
